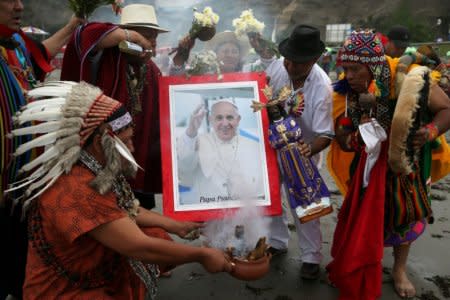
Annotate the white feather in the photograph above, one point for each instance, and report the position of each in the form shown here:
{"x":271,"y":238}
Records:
{"x":72,"y":122}
{"x":59,"y":83}
{"x":55,"y":101}
{"x":28,"y":201}
{"x":50,"y":115}
{"x":45,"y":139}
{"x":38,"y":109}
{"x":125,"y":152}
{"x":56,"y":171}
{"x":29,"y":181}
{"x":40,"y":128}
{"x":44,"y":157}
{"x":64,"y":163}
{"x":36,"y":174}
{"x":70,"y":158}
{"x":50,"y":91}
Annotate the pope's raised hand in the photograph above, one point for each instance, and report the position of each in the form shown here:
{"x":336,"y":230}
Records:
{"x":195,"y":121}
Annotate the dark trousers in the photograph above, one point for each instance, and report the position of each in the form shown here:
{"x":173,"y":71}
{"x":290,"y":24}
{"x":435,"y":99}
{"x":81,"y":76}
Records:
{"x":147,"y":200}
{"x":13,"y":234}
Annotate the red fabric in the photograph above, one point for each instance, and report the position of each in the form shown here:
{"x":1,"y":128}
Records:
{"x":357,"y":249}
{"x":111,"y":78}
{"x":40,"y":60}
{"x":70,"y":209}
{"x":384,"y":39}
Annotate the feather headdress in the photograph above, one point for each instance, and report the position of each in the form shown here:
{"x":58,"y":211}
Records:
{"x":66,"y":113}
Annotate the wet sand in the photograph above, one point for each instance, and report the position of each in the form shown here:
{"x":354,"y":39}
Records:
{"x":429,"y":266}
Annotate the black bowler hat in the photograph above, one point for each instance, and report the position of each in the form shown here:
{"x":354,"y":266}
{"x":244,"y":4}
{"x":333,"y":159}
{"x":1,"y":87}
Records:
{"x":303,"y":45}
{"x":399,"y":35}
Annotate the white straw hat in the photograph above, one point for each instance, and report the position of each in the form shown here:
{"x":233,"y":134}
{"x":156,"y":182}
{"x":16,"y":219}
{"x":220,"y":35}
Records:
{"x":140,"y":15}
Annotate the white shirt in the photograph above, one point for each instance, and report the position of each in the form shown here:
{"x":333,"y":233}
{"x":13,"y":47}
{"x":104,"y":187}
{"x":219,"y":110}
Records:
{"x":317,"y":117}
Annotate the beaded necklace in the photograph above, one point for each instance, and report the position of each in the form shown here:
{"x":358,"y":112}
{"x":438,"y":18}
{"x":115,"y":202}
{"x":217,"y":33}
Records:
{"x":135,"y":86}
{"x":125,"y":196}
{"x":296,"y":101}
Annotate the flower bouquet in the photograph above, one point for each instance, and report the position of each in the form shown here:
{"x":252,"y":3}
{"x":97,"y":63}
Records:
{"x":203,"y":27}
{"x":205,"y":62}
{"x":248,"y":24}
{"x":204,"y":24}
{"x":84,"y":8}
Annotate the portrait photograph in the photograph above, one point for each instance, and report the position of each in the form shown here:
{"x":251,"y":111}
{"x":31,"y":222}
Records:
{"x":216,"y":156}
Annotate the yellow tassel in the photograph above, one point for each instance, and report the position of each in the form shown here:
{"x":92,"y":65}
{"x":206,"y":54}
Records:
{"x":435,"y":76}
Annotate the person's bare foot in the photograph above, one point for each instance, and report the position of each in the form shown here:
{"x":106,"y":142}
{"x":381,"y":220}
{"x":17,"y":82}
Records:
{"x":403,"y":286}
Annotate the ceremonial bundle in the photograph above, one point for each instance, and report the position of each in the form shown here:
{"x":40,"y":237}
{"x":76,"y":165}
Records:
{"x":204,"y":24}
{"x":249,"y":25}
{"x":248,"y":264}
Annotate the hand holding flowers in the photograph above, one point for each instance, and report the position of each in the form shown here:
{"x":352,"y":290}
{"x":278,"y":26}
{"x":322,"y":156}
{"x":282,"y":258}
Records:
{"x":248,"y":24}
{"x":204,"y":24}
{"x":203,"y":27}
{"x":84,"y":8}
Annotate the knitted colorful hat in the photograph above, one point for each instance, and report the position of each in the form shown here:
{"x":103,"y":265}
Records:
{"x":68,"y":114}
{"x":365,"y":47}
{"x":362,"y":47}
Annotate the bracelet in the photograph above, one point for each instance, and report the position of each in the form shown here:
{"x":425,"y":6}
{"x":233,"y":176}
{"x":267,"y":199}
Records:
{"x":127,"y":35}
{"x":433,"y":131}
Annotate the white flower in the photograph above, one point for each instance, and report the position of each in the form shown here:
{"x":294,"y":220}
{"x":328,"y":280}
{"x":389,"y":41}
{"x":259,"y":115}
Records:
{"x":247,"y":23}
{"x":205,"y":62}
{"x":207,"y":18}
{"x":208,"y":10}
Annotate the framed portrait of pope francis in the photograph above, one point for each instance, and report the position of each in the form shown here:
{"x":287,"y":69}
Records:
{"x":215,"y":151}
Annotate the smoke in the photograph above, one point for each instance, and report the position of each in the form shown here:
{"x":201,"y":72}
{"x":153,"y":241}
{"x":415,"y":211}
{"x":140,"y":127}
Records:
{"x":221,"y":233}
{"x":177,"y":15}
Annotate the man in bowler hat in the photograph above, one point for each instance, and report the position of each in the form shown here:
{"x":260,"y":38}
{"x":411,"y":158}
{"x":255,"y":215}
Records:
{"x":298,"y":70}
{"x":398,"y":41}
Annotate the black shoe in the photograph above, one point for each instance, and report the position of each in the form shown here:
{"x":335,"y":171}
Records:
{"x":276,"y":251}
{"x":310,"y":271}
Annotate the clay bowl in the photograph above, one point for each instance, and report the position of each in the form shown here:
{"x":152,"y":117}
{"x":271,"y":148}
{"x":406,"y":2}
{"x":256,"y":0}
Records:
{"x":206,"y":33}
{"x":251,"y":270}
